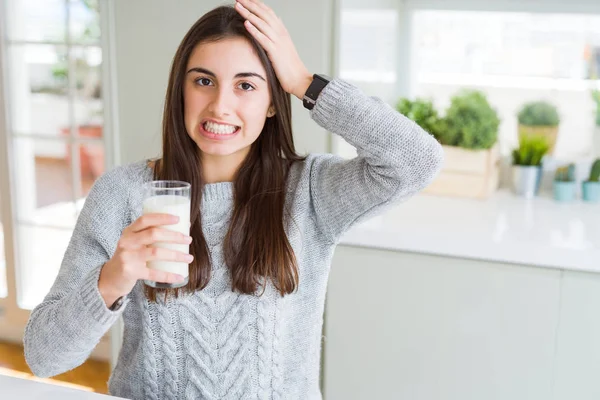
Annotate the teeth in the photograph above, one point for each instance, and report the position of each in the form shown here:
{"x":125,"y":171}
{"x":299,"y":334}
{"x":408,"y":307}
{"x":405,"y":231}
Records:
{"x":218,"y":128}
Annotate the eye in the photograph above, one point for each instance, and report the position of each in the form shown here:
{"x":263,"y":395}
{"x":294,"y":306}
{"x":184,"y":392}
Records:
{"x":246,"y":86}
{"x":203,"y":81}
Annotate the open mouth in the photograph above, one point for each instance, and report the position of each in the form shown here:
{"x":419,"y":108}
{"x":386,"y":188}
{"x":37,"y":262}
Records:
{"x":219,"y":129}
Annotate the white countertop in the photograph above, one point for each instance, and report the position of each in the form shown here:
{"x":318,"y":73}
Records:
{"x":504,"y":228}
{"x":17,"y":388}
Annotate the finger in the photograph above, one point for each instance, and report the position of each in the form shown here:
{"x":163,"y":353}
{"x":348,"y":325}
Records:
{"x":159,"y":253}
{"x":152,"y":235}
{"x":256,"y":21}
{"x":155,"y":275}
{"x":260,"y":11}
{"x":263,"y":40}
{"x":155,"y":219}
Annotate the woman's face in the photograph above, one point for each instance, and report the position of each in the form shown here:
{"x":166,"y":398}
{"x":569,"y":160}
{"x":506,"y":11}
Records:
{"x":226,"y":98}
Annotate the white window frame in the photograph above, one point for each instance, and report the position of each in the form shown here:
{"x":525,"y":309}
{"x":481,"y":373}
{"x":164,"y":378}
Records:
{"x":12,"y":318}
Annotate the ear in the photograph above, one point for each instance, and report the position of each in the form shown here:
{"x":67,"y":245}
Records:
{"x":270,"y":111}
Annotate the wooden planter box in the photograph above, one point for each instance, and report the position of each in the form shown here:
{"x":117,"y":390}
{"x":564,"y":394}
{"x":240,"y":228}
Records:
{"x":467,"y":173}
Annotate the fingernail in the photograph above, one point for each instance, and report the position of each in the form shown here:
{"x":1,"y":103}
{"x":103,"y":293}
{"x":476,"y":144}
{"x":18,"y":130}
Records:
{"x":188,"y":239}
{"x":180,"y":278}
{"x":189,"y":258}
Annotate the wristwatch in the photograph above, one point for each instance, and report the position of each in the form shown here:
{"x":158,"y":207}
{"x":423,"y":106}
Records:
{"x":117,"y":304}
{"x":312,"y":93}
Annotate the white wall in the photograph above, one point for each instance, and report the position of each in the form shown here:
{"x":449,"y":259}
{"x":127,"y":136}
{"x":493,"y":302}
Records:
{"x":147,"y":33}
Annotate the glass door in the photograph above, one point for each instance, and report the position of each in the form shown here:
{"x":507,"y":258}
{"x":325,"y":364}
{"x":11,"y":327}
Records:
{"x":53,"y":141}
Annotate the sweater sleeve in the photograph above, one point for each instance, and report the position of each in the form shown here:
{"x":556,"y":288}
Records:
{"x":63,"y":330}
{"x":396,"y":158}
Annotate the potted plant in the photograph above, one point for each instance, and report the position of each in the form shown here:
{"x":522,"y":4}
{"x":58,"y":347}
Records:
{"x":423,"y":112}
{"x":591,"y":187}
{"x":564,"y":185}
{"x":539,"y":118}
{"x":527,"y":165}
{"x":596,"y":133}
{"x":468,"y":134}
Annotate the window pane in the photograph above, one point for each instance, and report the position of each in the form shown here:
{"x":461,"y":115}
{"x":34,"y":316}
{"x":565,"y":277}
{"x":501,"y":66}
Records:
{"x":88,"y":95}
{"x":38,"y":89}
{"x":514,"y":58}
{"x":509,"y":44}
{"x":43,"y":182}
{"x":36,"y":20}
{"x":84,"y":26}
{"x":91,"y":157}
{"x":40,"y":253}
{"x":368,"y":45}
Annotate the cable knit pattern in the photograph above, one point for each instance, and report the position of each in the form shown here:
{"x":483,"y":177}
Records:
{"x":217,"y":344}
{"x":263,"y":353}
{"x":218,"y":351}
{"x":276,"y":362}
{"x":169,"y":353}
{"x":150,"y":378}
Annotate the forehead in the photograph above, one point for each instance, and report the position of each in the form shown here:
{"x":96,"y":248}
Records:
{"x":226,"y":57}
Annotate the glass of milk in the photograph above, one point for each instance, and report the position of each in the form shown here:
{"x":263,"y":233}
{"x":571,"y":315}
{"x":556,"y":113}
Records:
{"x":169,"y":197}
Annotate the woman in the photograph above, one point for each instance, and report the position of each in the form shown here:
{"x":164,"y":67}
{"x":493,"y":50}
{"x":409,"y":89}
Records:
{"x":265,"y":223}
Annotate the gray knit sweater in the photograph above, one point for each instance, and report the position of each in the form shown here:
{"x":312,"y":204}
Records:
{"x":218,"y":344}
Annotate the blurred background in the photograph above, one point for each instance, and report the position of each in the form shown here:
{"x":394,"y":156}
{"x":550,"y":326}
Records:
{"x":484,"y":286}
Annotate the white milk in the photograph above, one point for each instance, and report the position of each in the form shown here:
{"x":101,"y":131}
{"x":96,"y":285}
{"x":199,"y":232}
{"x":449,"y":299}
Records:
{"x":175,"y":205}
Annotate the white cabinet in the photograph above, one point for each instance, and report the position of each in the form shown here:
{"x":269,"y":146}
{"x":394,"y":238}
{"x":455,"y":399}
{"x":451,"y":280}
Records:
{"x":578,"y":345}
{"x":412,"y":326}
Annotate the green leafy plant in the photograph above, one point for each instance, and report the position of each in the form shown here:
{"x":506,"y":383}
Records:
{"x":470,"y":122}
{"x":423,"y":113}
{"x":596,"y":97}
{"x":538,"y":113}
{"x":565,"y":173}
{"x":595,"y":172}
{"x":531,"y":150}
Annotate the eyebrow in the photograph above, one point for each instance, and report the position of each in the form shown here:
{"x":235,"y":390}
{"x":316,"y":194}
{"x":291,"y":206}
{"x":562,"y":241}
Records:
{"x":238,"y":75}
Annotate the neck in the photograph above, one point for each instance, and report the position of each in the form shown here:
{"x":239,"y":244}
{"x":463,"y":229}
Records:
{"x":221,"y":168}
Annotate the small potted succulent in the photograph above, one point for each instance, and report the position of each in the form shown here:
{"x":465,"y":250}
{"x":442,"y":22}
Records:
{"x":591,"y":187}
{"x":527,"y":165}
{"x":596,"y":134}
{"x":565,"y":187}
{"x":539,"y":118}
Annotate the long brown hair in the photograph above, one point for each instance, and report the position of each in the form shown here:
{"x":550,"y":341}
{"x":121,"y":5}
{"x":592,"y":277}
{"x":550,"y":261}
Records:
{"x":256,"y":247}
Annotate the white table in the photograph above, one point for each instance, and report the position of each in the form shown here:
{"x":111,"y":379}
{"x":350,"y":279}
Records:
{"x":23,"y":389}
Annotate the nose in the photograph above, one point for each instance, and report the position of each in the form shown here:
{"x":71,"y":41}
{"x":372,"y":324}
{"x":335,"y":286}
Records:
{"x":222,"y":102}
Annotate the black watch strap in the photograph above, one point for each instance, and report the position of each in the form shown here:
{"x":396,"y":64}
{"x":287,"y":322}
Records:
{"x":312,"y":93}
{"x":117,"y":304}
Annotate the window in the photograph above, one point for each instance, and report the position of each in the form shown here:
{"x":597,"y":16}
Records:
{"x":368,"y":51}
{"x":55,"y":134}
{"x":433,"y":49}
{"x":368,"y":45}
{"x":513,"y":58}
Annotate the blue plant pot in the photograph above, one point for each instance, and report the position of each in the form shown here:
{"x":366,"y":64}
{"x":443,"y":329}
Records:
{"x":591,"y":191}
{"x":564,"y":191}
